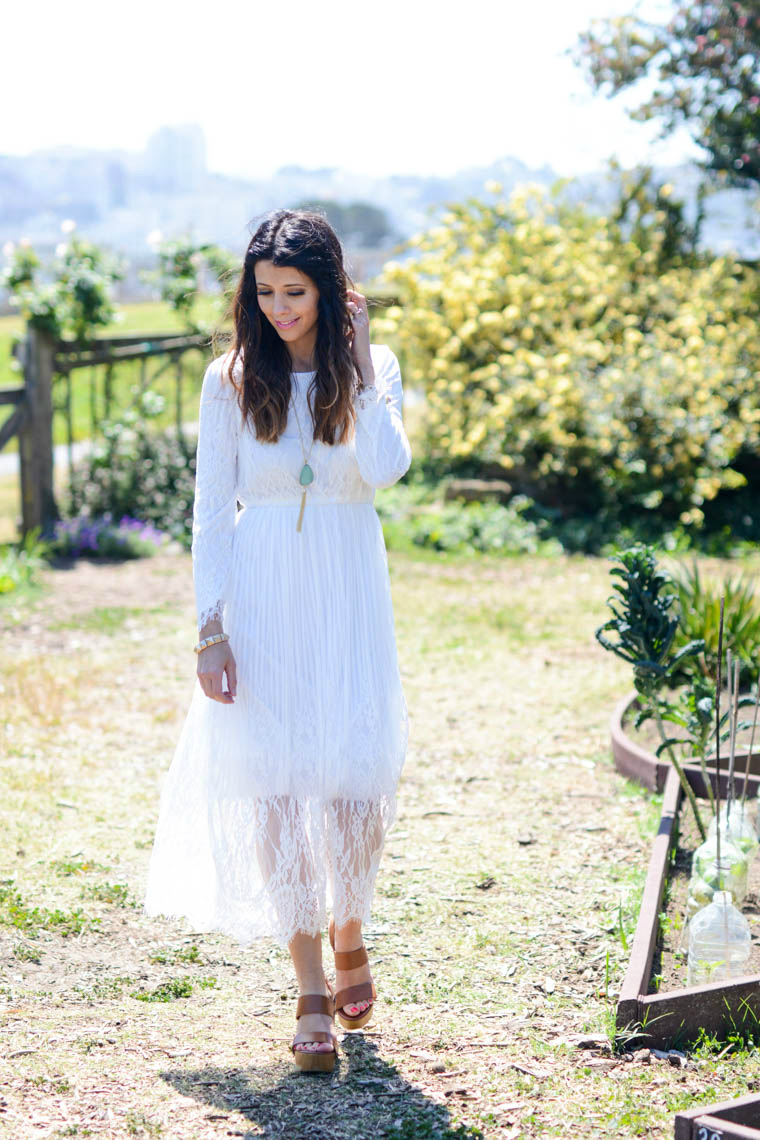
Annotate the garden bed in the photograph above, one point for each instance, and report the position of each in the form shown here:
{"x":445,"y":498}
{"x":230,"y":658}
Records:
{"x":669,"y":967}
{"x":731,"y":1120}
{"x":638,"y":762}
{"x":672,"y":1017}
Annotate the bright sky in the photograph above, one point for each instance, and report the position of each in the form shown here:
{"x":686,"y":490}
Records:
{"x":397,"y":86}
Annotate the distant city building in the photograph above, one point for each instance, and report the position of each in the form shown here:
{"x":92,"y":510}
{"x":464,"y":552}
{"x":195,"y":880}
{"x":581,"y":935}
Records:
{"x":175,"y":159}
{"x":118,"y":198}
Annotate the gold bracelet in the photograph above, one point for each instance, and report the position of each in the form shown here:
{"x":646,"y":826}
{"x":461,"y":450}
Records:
{"x":212,"y":640}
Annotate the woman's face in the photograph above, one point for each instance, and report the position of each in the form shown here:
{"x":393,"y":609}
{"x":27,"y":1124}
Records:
{"x":288,"y":299}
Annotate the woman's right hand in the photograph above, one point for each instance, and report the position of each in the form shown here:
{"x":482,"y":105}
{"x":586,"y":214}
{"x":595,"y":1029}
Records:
{"x":213,"y":662}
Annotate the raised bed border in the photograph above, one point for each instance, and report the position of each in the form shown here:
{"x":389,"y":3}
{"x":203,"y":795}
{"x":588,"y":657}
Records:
{"x":639,"y":764}
{"x":731,"y":1120}
{"x":672,"y":1017}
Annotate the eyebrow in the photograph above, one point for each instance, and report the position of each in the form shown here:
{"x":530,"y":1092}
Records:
{"x":288,"y":285}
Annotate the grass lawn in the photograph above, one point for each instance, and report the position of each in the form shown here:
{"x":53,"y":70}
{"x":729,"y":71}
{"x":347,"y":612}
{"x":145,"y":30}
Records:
{"x":496,"y":933}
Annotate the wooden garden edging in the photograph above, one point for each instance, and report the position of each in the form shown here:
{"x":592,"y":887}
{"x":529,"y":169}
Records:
{"x":668,"y":1018}
{"x":732,"y":1120}
{"x":639,"y":764}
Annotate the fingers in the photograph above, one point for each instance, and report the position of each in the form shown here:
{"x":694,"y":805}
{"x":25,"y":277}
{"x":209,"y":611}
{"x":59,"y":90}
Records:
{"x":232,"y":676}
{"x":212,"y":688}
{"x":357,"y":299}
{"x":211,"y":683}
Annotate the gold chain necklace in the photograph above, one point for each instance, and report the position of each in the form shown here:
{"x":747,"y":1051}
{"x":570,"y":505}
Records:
{"x":307,"y":475}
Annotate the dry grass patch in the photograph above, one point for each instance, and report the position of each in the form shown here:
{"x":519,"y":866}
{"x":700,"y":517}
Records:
{"x":498,"y":933}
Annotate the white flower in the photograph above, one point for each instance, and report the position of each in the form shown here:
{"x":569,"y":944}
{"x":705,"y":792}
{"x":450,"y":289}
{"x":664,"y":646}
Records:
{"x":8,"y":249}
{"x":155,"y":237}
{"x":68,"y":225}
{"x":61,"y":248}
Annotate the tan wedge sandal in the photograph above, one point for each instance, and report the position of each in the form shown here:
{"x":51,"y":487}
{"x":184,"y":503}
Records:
{"x":317,"y":1061}
{"x":364,"y":991}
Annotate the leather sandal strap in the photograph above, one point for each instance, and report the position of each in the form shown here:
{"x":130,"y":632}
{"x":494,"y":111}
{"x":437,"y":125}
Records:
{"x":315,"y":1003}
{"x":311,"y":1038}
{"x":350,"y":959}
{"x":364,"y":991}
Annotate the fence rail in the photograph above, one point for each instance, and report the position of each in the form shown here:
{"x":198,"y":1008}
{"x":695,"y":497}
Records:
{"x":43,"y":358}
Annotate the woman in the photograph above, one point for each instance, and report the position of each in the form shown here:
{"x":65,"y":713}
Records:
{"x":283,"y":783}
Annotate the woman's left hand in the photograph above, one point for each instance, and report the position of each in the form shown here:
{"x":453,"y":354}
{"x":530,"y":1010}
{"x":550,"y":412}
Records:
{"x":357,"y":307}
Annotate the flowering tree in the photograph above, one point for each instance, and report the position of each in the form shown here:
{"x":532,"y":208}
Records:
{"x":75,"y":300}
{"x":706,"y":64}
{"x":178,"y":276}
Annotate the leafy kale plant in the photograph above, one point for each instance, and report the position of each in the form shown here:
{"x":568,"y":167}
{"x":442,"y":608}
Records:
{"x":642,"y":631}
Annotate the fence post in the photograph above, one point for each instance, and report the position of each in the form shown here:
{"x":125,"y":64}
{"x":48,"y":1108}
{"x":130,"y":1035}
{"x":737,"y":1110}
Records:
{"x":35,"y":438}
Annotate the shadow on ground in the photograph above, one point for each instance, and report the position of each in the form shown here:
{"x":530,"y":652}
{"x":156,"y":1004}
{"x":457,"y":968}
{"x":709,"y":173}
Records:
{"x":364,"y":1096}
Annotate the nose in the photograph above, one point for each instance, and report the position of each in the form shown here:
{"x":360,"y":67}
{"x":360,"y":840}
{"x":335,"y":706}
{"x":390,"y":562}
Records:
{"x":281,"y":308}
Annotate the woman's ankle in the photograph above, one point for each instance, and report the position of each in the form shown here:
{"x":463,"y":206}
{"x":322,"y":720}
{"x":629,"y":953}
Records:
{"x":306,"y":954}
{"x":312,"y":983}
{"x":348,"y":936}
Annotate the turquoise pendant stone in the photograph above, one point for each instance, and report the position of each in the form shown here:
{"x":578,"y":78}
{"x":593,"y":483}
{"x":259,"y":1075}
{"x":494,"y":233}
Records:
{"x":307,"y":475}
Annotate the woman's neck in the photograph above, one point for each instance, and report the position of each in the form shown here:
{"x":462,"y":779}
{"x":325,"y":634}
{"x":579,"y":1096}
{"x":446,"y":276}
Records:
{"x":303,"y":351}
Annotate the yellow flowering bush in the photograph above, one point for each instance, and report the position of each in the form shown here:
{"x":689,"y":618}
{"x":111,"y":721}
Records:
{"x":586,"y":362}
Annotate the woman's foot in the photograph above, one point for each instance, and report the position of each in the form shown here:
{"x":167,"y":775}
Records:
{"x":346,"y":978}
{"x":316,"y":1023}
{"x":315,"y":1008}
{"x":349,"y":937}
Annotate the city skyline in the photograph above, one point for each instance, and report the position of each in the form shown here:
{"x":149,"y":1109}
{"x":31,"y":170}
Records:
{"x":399,"y":92}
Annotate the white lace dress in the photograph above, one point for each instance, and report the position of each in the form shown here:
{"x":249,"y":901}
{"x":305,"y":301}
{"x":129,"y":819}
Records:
{"x":275,"y":807}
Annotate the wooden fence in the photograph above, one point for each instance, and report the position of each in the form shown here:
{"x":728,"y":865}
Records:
{"x":45,"y":362}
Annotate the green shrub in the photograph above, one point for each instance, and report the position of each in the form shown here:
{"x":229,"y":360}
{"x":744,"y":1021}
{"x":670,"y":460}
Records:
{"x":593,"y":368}
{"x":487,"y":528}
{"x":699,"y":605}
{"x":21,"y":562}
{"x":144,"y":474}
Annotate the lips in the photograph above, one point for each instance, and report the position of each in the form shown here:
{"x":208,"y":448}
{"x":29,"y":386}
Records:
{"x":285,"y":324}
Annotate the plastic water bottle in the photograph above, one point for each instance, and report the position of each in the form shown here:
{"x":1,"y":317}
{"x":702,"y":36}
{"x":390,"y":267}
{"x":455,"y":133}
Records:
{"x":707,"y":876}
{"x":719,"y":942}
{"x":739,"y":828}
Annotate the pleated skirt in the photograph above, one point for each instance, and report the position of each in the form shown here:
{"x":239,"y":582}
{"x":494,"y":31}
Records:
{"x":275,"y":808}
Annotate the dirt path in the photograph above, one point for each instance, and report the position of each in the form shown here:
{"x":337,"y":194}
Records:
{"x":494,"y":937}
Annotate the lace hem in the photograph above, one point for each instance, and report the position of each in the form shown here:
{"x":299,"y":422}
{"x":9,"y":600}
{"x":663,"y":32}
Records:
{"x":268,"y":866}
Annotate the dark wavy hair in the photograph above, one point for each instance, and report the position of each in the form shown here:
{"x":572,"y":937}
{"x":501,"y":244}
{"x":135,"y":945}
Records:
{"x":306,"y":240}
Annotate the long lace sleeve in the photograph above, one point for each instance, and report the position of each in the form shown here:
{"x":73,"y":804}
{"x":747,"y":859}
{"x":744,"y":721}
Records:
{"x":382,"y":447}
{"x":216,"y":482}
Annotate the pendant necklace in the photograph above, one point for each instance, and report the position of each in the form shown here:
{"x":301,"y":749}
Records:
{"x":307,"y":475}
